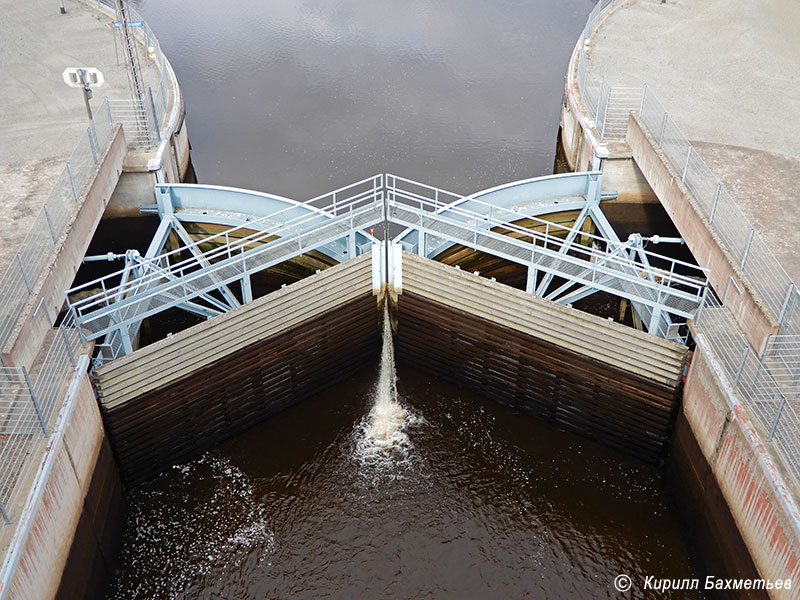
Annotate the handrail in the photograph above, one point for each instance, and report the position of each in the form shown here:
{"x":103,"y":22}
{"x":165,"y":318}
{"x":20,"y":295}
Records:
{"x":197,"y":261}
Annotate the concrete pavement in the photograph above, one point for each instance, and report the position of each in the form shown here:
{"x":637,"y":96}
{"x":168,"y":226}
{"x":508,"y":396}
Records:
{"x":41,"y":118}
{"x":728,"y":72}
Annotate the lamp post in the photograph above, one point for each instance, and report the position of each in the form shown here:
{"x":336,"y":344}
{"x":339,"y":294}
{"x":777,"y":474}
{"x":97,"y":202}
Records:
{"x":84,"y":78}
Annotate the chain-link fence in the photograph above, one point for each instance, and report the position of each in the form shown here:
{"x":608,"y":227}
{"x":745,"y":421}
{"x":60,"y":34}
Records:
{"x":769,"y":382}
{"x":28,"y":409}
{"x":35,"y":253}
{"x":746,"y":246}
{"x":30,"y":396}
{"x":141,"y":118}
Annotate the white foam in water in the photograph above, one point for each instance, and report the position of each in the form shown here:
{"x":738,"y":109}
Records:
{"x":382,"y":437}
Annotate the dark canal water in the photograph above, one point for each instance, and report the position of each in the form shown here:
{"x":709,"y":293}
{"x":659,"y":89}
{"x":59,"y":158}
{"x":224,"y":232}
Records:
{"x":477,"y":501}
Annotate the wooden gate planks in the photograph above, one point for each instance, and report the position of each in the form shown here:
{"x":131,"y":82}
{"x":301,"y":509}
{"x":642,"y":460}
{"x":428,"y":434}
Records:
{"x":598,"y":378}
{"x":179,"y":397}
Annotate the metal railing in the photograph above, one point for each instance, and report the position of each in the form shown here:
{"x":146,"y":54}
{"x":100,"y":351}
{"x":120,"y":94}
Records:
{"x":34,"y":255}
{"x":29,"y":398}
{"x":147,"y":286}
{"x":28,"y":405}
{"x":141,"y":123}
{"x":168,"y":279}
{"x":747,"y":247}
{"x":768,"y":382}
{"x":141,"y":119}
{"x":610,"y":108}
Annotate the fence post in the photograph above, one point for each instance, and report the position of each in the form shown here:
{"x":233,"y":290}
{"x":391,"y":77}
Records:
{"x":605,"y":113}
{"x":747,"y":249}
{"x":155,"y":116}
{"x":72,"y":182}
{"x":686,"y":164}
{"x":741,"y":366}
{"x":3,"y":512}
{"x":773,"y":428}
{"x":68,"y":346}
{"x":699,"y":312}
{"x":716,"y":201}
{"x":50,"y":224}
{"x":92,"y":141}
{"x":599,"y":99}
{"x":641,"y":104}
{"x":786,"y":303}
{"x":24,"y":274}
{"x":35,"y":403}
{"x":663,"y":129}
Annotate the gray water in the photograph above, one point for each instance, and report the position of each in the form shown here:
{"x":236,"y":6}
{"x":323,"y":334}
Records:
{"x":475,"y":500}
{"x":298,"y":98}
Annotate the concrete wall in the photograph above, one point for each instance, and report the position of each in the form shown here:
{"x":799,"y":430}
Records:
{"x":709,"y":526}
{"x":27,"y":336}
{"x":141,"y":172}
{"x":46,"y":529}
{"x":620,"y":172}
{"x":753,"y":317}
{"x":757,"y":495}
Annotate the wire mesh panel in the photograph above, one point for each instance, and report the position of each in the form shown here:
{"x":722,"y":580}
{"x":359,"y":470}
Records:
{"x":35,"y":252}
{"x":768,"y":384}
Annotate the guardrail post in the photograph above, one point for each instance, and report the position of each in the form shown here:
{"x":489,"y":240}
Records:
{"x":716,"y":201}
{"x":641,"y":104}
{"x":786,"y":303}
{"x":747,"y":248}
{"x":35,"y":403}
{"x":599,"y":98}
{"x":24,"y":274}
{"x":92,"y":141}
{"x":741,"y":366}
{"x":68,"y":346}
{"x":686,"y":164}
{"x":72,"y":182}
{"x":773,"y":428}
{"x":155,"y":115}
{"x":699,"y":313}
{"x":663,"y":129}
{"x":50,"y":224}
{"x":3,"y":512}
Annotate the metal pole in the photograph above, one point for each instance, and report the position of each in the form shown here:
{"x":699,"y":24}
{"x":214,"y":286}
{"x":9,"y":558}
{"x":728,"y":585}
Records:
{"x":4,"y":513}
{"x":641,"y":104}
{"x":86,"y":101}
{"x":86,"y":92}
{"x":747,"y":249}
{"x":774,"y":426}
{"x":663,"y":129}
{"x":741,"y":366}
{"x":92,"y":141}
{"x":50,"y":224}
{"x":72,"y":182}
{"x":786,"y":303}
{"x":686,"y":165}
{"x":155,"y":115}
{"x":24,"y":274}
{"x":68,"y":346}
{"x":35,"y":403}
{"x":714,"y":206}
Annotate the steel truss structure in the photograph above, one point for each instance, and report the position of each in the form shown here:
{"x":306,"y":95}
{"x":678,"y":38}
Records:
{"x":212,"y":275}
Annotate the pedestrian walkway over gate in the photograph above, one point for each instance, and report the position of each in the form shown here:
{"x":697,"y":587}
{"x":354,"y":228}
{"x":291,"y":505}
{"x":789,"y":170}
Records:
{"x":212,"y":275}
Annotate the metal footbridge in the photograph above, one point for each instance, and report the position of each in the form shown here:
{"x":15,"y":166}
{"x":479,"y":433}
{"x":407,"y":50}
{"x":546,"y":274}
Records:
{"x":380,"y":214}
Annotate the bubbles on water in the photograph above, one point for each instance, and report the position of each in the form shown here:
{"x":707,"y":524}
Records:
{"x":194,"y":530}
